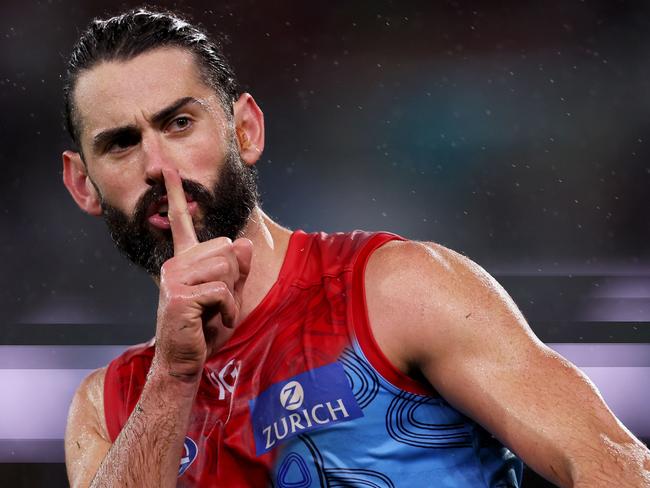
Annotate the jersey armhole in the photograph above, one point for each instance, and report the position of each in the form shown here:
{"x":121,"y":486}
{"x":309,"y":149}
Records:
{"x":361,"y":329}
{"x":112,"y":403}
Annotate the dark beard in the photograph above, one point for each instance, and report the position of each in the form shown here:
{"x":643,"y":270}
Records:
{"x":225,"y":213}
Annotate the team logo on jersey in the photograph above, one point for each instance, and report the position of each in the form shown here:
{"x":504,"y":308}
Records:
{"x":189,"y":455}
{"x":226,"y":379}
{"x":312,"y":400}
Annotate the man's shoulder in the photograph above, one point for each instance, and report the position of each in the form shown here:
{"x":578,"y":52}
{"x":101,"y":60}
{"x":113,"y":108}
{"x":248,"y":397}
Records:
{"x":416,"y":291}
{"x":402,"y":275}
{"x":93,"y":385}
{"x":90,"y":395}
{"x":428,"y":274}
{"x":88,"y":402}
{"x":421,"y":261}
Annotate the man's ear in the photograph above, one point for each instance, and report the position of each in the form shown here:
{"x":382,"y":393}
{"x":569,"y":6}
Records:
{"x":249,"y":125}
{"x":77,"y":181}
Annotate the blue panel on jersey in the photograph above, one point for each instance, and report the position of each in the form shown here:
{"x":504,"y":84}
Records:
{"x":309,"y":401}
{"x":402,"y":440}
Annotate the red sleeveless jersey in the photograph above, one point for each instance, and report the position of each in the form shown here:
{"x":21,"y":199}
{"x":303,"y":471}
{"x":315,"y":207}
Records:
{"x":313,"y":312}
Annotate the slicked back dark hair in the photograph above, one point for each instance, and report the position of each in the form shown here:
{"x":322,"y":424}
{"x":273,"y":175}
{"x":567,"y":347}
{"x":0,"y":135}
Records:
{"x":134,"y":32}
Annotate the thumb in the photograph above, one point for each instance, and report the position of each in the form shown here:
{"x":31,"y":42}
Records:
{"x":243,"y":249}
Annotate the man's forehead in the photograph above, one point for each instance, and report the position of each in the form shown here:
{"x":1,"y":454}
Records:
{"x":115,"y":93}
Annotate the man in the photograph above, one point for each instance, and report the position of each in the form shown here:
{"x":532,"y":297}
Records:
{"x":284,"y":358}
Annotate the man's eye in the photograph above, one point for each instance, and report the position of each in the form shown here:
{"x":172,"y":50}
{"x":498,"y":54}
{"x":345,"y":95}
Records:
{"x":122,"y":143}
{"x":179,"y":124}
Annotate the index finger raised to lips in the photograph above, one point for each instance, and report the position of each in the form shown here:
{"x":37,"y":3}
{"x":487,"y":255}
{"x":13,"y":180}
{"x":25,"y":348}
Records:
{"x":180,"y":220}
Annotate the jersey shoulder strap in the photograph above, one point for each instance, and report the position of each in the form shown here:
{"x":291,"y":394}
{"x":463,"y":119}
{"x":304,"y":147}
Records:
{"x":123,"y":383}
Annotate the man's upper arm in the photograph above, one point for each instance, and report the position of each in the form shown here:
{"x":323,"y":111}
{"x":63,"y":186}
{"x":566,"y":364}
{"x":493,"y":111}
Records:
{"x":86,"y":436}
{"x":436,"y":313}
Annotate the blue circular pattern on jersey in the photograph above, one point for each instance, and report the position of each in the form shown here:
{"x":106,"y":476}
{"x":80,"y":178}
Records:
{"x":404,"y":424}
{"x":362,"y":379}
{"x":293,"y":472}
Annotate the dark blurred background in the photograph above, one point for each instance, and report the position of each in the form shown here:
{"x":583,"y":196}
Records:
{"x":515,"y":132}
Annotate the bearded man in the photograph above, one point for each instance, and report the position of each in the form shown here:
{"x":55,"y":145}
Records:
{"x":283,"y":358}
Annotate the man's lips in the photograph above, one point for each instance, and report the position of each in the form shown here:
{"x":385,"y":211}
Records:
{"x":157,"y":214}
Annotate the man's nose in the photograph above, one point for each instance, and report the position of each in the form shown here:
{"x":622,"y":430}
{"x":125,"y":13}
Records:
{"x":156,"y":157}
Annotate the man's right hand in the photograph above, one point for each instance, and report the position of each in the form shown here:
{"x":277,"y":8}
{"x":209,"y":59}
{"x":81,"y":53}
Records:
{"x":200,"y":290}
{"x":200,"y":300}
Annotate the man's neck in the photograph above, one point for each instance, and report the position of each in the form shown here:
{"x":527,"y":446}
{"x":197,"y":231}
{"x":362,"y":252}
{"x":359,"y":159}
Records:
{"x":270,"y":243}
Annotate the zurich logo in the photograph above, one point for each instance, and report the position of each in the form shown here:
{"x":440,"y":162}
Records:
{"x":189,"y":455}
{"x":292,"y":395}
{"x":312,"y":400}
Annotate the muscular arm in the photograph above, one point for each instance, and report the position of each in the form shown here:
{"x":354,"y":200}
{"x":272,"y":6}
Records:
{"x":86,"y":436}
{"x":147,"y":451}
{"x":436,"y":313}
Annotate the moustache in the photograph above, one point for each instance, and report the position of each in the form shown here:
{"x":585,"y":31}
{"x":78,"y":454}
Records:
{"x":153,"y":196}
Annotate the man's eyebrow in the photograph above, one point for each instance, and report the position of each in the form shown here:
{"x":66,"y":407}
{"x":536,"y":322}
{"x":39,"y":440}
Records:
{"x":105,"y":136}
{"x":162,"y":115}
{"x":109,"y":135}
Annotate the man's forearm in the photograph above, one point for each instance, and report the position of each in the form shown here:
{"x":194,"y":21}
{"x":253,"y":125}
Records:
{"x":622,"y":464}
{"x":148,"y":450}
